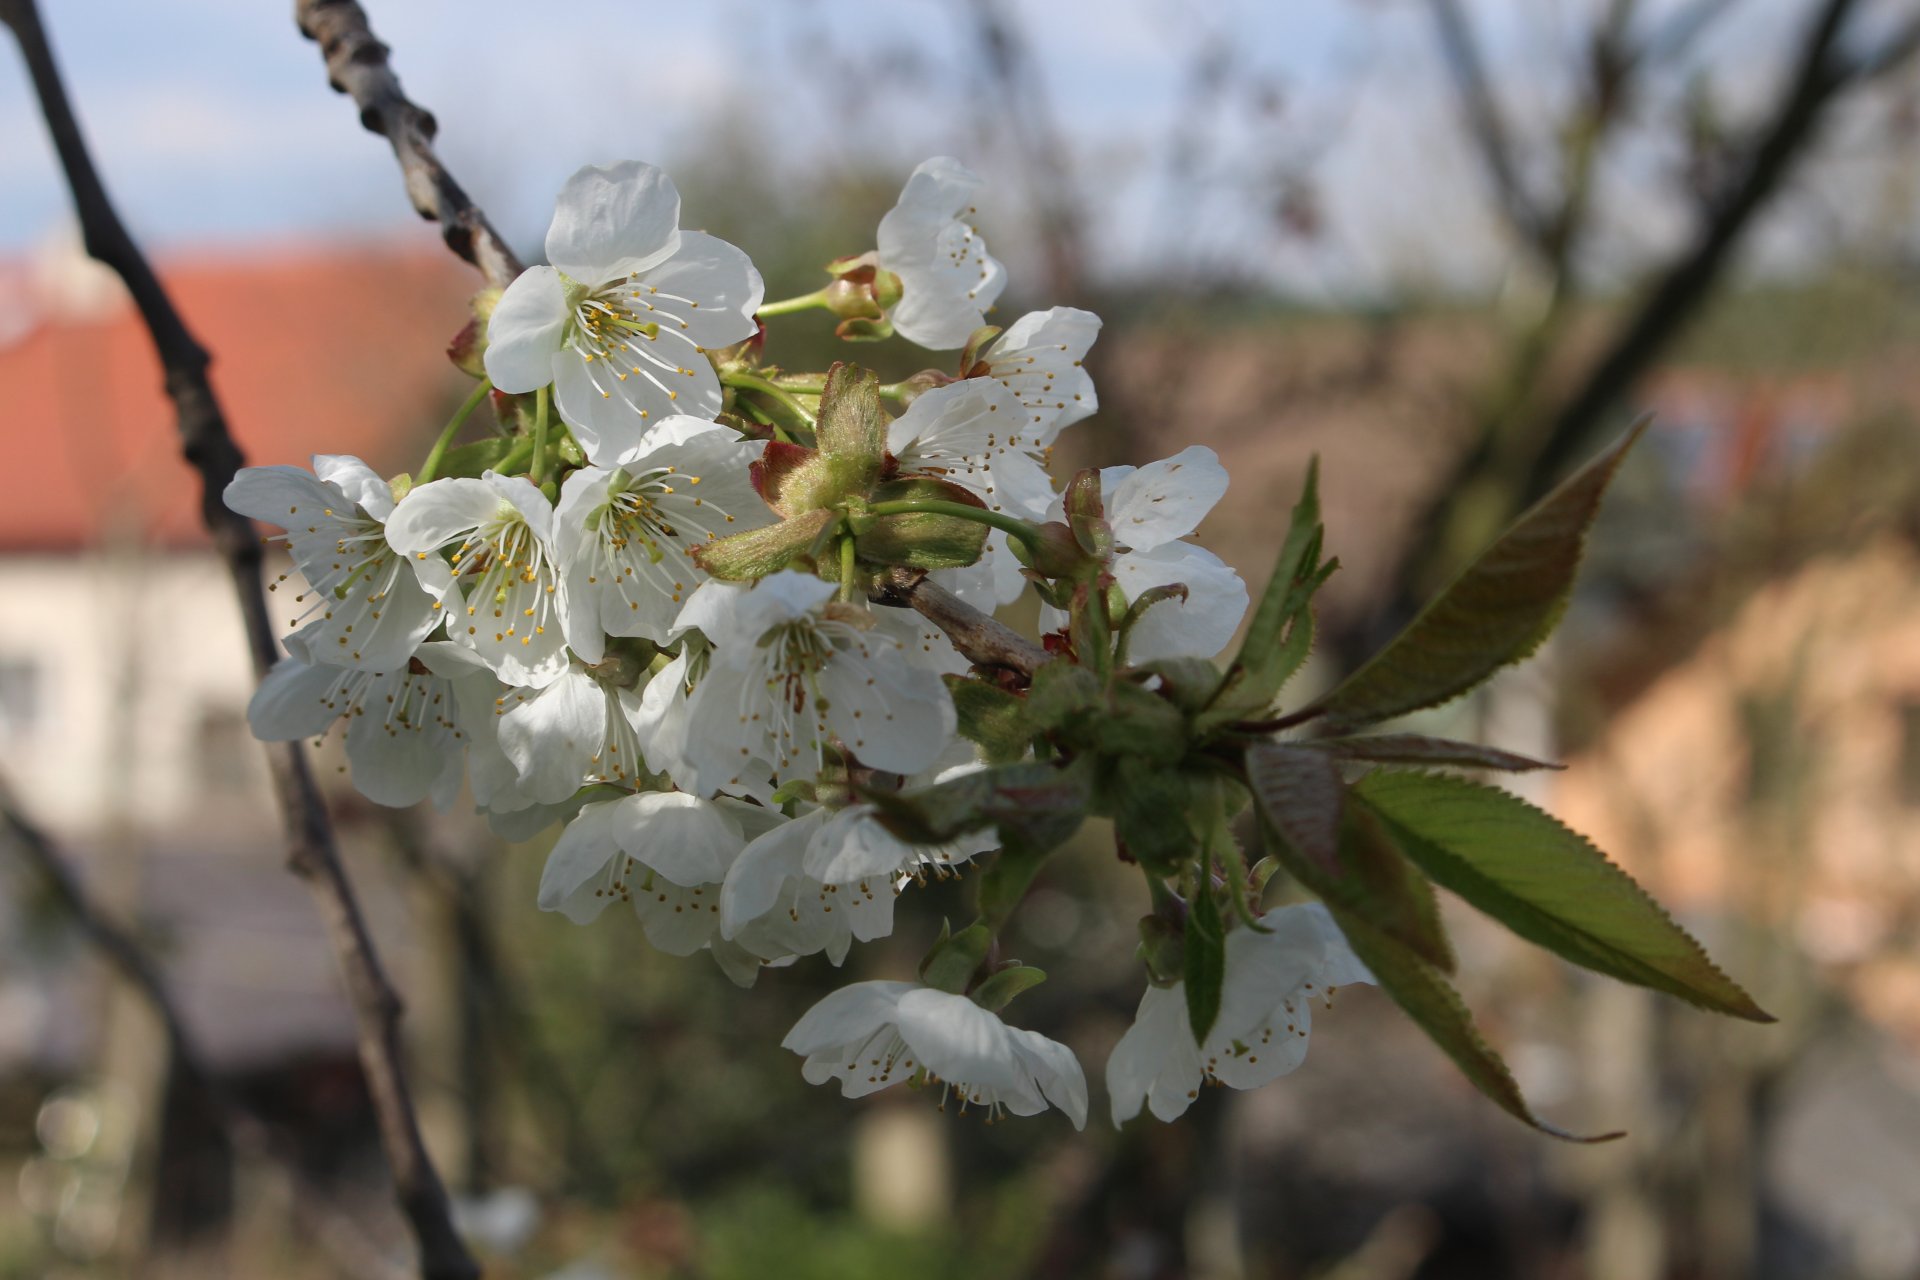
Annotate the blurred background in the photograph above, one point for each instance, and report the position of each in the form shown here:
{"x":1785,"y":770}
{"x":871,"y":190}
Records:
{"x":1451,"y":246}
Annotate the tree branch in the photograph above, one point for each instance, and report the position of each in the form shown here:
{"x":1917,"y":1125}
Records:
{"x":311,"y":852}
{"x":983,"y":641}
{"x":352,"y":1251}
{"x":357,"y":66}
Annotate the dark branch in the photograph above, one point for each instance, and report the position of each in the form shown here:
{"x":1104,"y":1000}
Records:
{"x":357,"y":66}
{"x":352,"y":1250}
{"x":982,"y":640}
{"x":311,"y":852}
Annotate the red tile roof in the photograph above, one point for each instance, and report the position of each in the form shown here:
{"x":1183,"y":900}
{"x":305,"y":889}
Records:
{"x":337,"y":349}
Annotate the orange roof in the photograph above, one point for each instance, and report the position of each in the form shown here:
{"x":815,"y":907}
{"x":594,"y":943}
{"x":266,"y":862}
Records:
{"x":339,"y":349}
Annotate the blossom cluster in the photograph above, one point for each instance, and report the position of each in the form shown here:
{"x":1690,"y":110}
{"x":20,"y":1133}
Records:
{"x":569,"y":634}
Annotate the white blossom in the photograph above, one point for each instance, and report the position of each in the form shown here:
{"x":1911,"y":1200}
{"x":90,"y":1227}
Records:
{"x":790,"y":672}
{"x":577,"y":731}
{"x":621,"y":322}
{"x":1041,"y":358}
{"x":873,"y":1034}
{"x":948,"y":280}
{"x":1150,"y":510}
{"x":623,"y":532}
{"x":368,"y":610}
{"x":403,"y":741}
{"x":499,"y":592}
{"x":1265,"y":1014}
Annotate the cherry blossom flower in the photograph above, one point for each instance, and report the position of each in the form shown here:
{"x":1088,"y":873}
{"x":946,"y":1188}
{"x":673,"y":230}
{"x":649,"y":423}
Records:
{"x":874,"y":1034}
{"x":971,"y":433}
{"x":948,"y":280}
{"x":1041,"y":359}
{"x":1260,"y":1035}
{"x":1151,"y":509}
{"x":368,"y":610}
{"x":621,"y":323}
{"x":791,"y":671}
{"x":577,"y":731}
{"x":622,"y":533}
{"x":499,"y":590}
{"x":403,"y":741}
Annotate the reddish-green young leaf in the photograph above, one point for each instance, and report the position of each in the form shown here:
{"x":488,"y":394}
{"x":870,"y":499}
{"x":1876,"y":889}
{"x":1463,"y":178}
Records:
{"x":1414,"y":748}
{"x":1436,"y":1008}
{"x":1301,"y":793}
{"x":1493,"y":615}
{"x":852,"y":430}
{"x":791,"y":479}
{"x":1367,"y":875}
{"x":1546,"y":883}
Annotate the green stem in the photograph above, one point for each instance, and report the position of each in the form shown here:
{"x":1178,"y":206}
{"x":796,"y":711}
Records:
{"x":847,"y":566}
{"x":1011,"y":525}
{"x":521,"y":451}
{"x":431,"y":466}
{"x":772,"y":390}
{"x":537,"y":471}
{"x":788,"y":306}
{"x":895,"y":391}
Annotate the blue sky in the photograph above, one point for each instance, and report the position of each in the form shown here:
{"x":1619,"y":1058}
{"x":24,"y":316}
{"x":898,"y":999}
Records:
{"x":213,"y":123}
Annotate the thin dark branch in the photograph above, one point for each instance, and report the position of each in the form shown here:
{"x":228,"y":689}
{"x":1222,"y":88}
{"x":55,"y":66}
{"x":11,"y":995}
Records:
{"x":311,"y":852}
{"x":983,"y":641}
{"x":1485,"y":123}
{"x":357,"y":66}
{"x":353,"y":1252}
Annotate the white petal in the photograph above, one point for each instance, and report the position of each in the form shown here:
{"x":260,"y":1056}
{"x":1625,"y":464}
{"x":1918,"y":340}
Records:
{"x":688,"y":840}
{"x":754,"y":880}
{"x":614,"y":220}
{"x":1198,"y":627}
{"x":934,"y":318}
{"x":1156,"y":1060}
{"x":1040,"y":359}
{"x":887,"y":710}
{"x":1164,"y":500}
{"x":847,"y":1016}
{"x":718,"y":277}
{"x":401,"y":747}
{"x":678,"y":919}
{"x":611,"y":409}
{"x":293,"y":702}
{"x":358,"y":481}
{"x":956,"y":1038}
{"x":1055,"y":1070}
{"x":554,"y":737}
{"x":580,"y":857}
{"x":527,"y":327}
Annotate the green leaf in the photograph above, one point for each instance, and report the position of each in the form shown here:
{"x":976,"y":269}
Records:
{"x":991,"y":718}
{"x":1149,"y":805}
{"x":1414,"y":748}
{"x":1436,"y":1008}
{"x":1546,"y":883}
{"x":998,"y":991}
{"x":952,"y":962}
{"x":852,"y":429}
{"x":1280,"y":633}
{"x":921,"y":539}
{"x":472,"y":459}
{"x":1493,"y":615}
{"x":742,"y":557}
{"x":1204,"y":968}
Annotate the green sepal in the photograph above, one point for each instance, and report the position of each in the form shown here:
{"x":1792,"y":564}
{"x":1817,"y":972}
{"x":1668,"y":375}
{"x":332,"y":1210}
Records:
{"x":1149,"y":804}
{"x":1086,"y":515}
{"x":1419,"y":989}
{"x":953,"y":960}
{"x":1493,"y":615}
{"x":1204,"y":965}
{"x":1162,"y":948}
{"x":864,"y":329}
{"x":921,"y":539}
{"x":998,"y":991}
{"x":1547,"y":883}
{"x":743,"y":557}
{"x":976,"y":342}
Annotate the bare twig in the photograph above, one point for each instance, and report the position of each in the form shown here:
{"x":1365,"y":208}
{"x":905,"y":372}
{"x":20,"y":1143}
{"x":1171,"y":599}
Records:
{"x":352,"y":1251}
{"x":311,"y":852}
{"x":357,"y":66}
{"x":982,"y":640}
